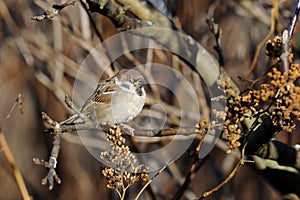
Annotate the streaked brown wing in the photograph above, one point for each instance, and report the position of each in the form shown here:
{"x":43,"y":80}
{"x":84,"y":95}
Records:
{"x":102,"y":95}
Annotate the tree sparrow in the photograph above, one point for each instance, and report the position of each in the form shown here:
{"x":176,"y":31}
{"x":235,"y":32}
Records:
{"x":116,"y":100}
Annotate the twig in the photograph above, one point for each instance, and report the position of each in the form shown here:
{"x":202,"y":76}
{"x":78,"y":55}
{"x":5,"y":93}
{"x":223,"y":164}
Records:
{"x":285,"y":51}
{"x":117,"y":15}
{"x":20,"y":100}
{"x":69,"y":103}
{"x":215,"y":29}
{"x":145,"y":186}
{"x":51,"y":13}
{"x":274,"y":17}
{"x":18,"y":176}
{"x":286,"y":37}
{"x":147,"y":13}
{"x":51,"y":164}
{"x":94,"y":25}
{"x":230,"y":176}
{"x":293,"y":24}
{"x":184,"y":131}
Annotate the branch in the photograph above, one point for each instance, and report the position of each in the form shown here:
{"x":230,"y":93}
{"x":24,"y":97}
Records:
{"x":51,"y":13}
{"x":51,"y":164}
{"x":147,"y":13}
{"x":117,"y":14}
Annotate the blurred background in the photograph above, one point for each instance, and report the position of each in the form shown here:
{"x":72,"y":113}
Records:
{"x":40,"y":60}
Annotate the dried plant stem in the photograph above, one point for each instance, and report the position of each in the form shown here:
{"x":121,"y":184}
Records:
{"x":146,"y":13}
{"x":274,"y":17}
{"x":231,"y":175}
{"x":145,"y":186}
{"x":18,"y":176}
{"x":242,"y":161}
{"x":51,"y":164}
{"x":117,"y":14}
{"x":19,"y":100}
{"x":285,"y":51}
{"x":51,"y":13}
{"x":124,"y":189}
{"x":295,"y":18}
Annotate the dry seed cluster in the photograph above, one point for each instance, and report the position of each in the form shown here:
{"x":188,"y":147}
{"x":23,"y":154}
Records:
{"x":274,"y":47}
{"x":126,"y":170}
{"x":203,"y":127}
{"x":286,"y":98}
{"x":280,"y":99}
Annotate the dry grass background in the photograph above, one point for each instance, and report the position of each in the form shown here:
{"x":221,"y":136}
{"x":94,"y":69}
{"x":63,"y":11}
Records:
{"x":31,"y":52}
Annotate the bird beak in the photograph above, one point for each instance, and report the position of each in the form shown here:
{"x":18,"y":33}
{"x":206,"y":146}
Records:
{"x":140,"y":82}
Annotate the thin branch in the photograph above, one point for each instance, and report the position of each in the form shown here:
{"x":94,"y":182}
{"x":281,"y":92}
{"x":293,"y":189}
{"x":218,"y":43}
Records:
{"x":116,"y":14}
{"x":274,"y":18}
{"x":20,"y":100}
{"x":215,"y":29}
{"x":51,"y":13}
{"x":51,"y":164}
{"x":145,"y":186}
{"x":294,"y":21}
{"x":285,"y":51}
{"x":147,"y":13}
{"x":230,"y":176}
{"x":18,"y":176}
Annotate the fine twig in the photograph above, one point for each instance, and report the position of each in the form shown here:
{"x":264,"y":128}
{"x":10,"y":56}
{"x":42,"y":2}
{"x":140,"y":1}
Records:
{"x":101,"y":39}
{"x":117,"y":14}
{"x":242,"y":161}
{"x":18,"y":176}
{"x":146,"y":185}
{"x":274,"y":17}
{"x":286,"y":37}
{"x":51,"y":13}
{"x":294,"y":21}
{"x":20,"y":100}
{"x":8,"y":154}
{"x":147,"y":13}
{"x":285,"y":51}
{"x":57,"y":129}
{"x":215,"y":29}
{"x":51,"y":164}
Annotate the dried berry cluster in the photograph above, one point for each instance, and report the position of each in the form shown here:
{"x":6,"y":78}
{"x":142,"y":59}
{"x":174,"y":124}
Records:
{"x":280,"y":99}
{"x":126,"y":170}
{"x":274,"y":47}
{"x":285,"y":96}
{"x":235,"y":114}
{"x":203,"y":127}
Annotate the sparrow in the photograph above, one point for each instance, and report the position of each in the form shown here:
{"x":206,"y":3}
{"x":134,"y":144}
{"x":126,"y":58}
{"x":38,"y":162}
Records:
{"x":116,"y":100}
